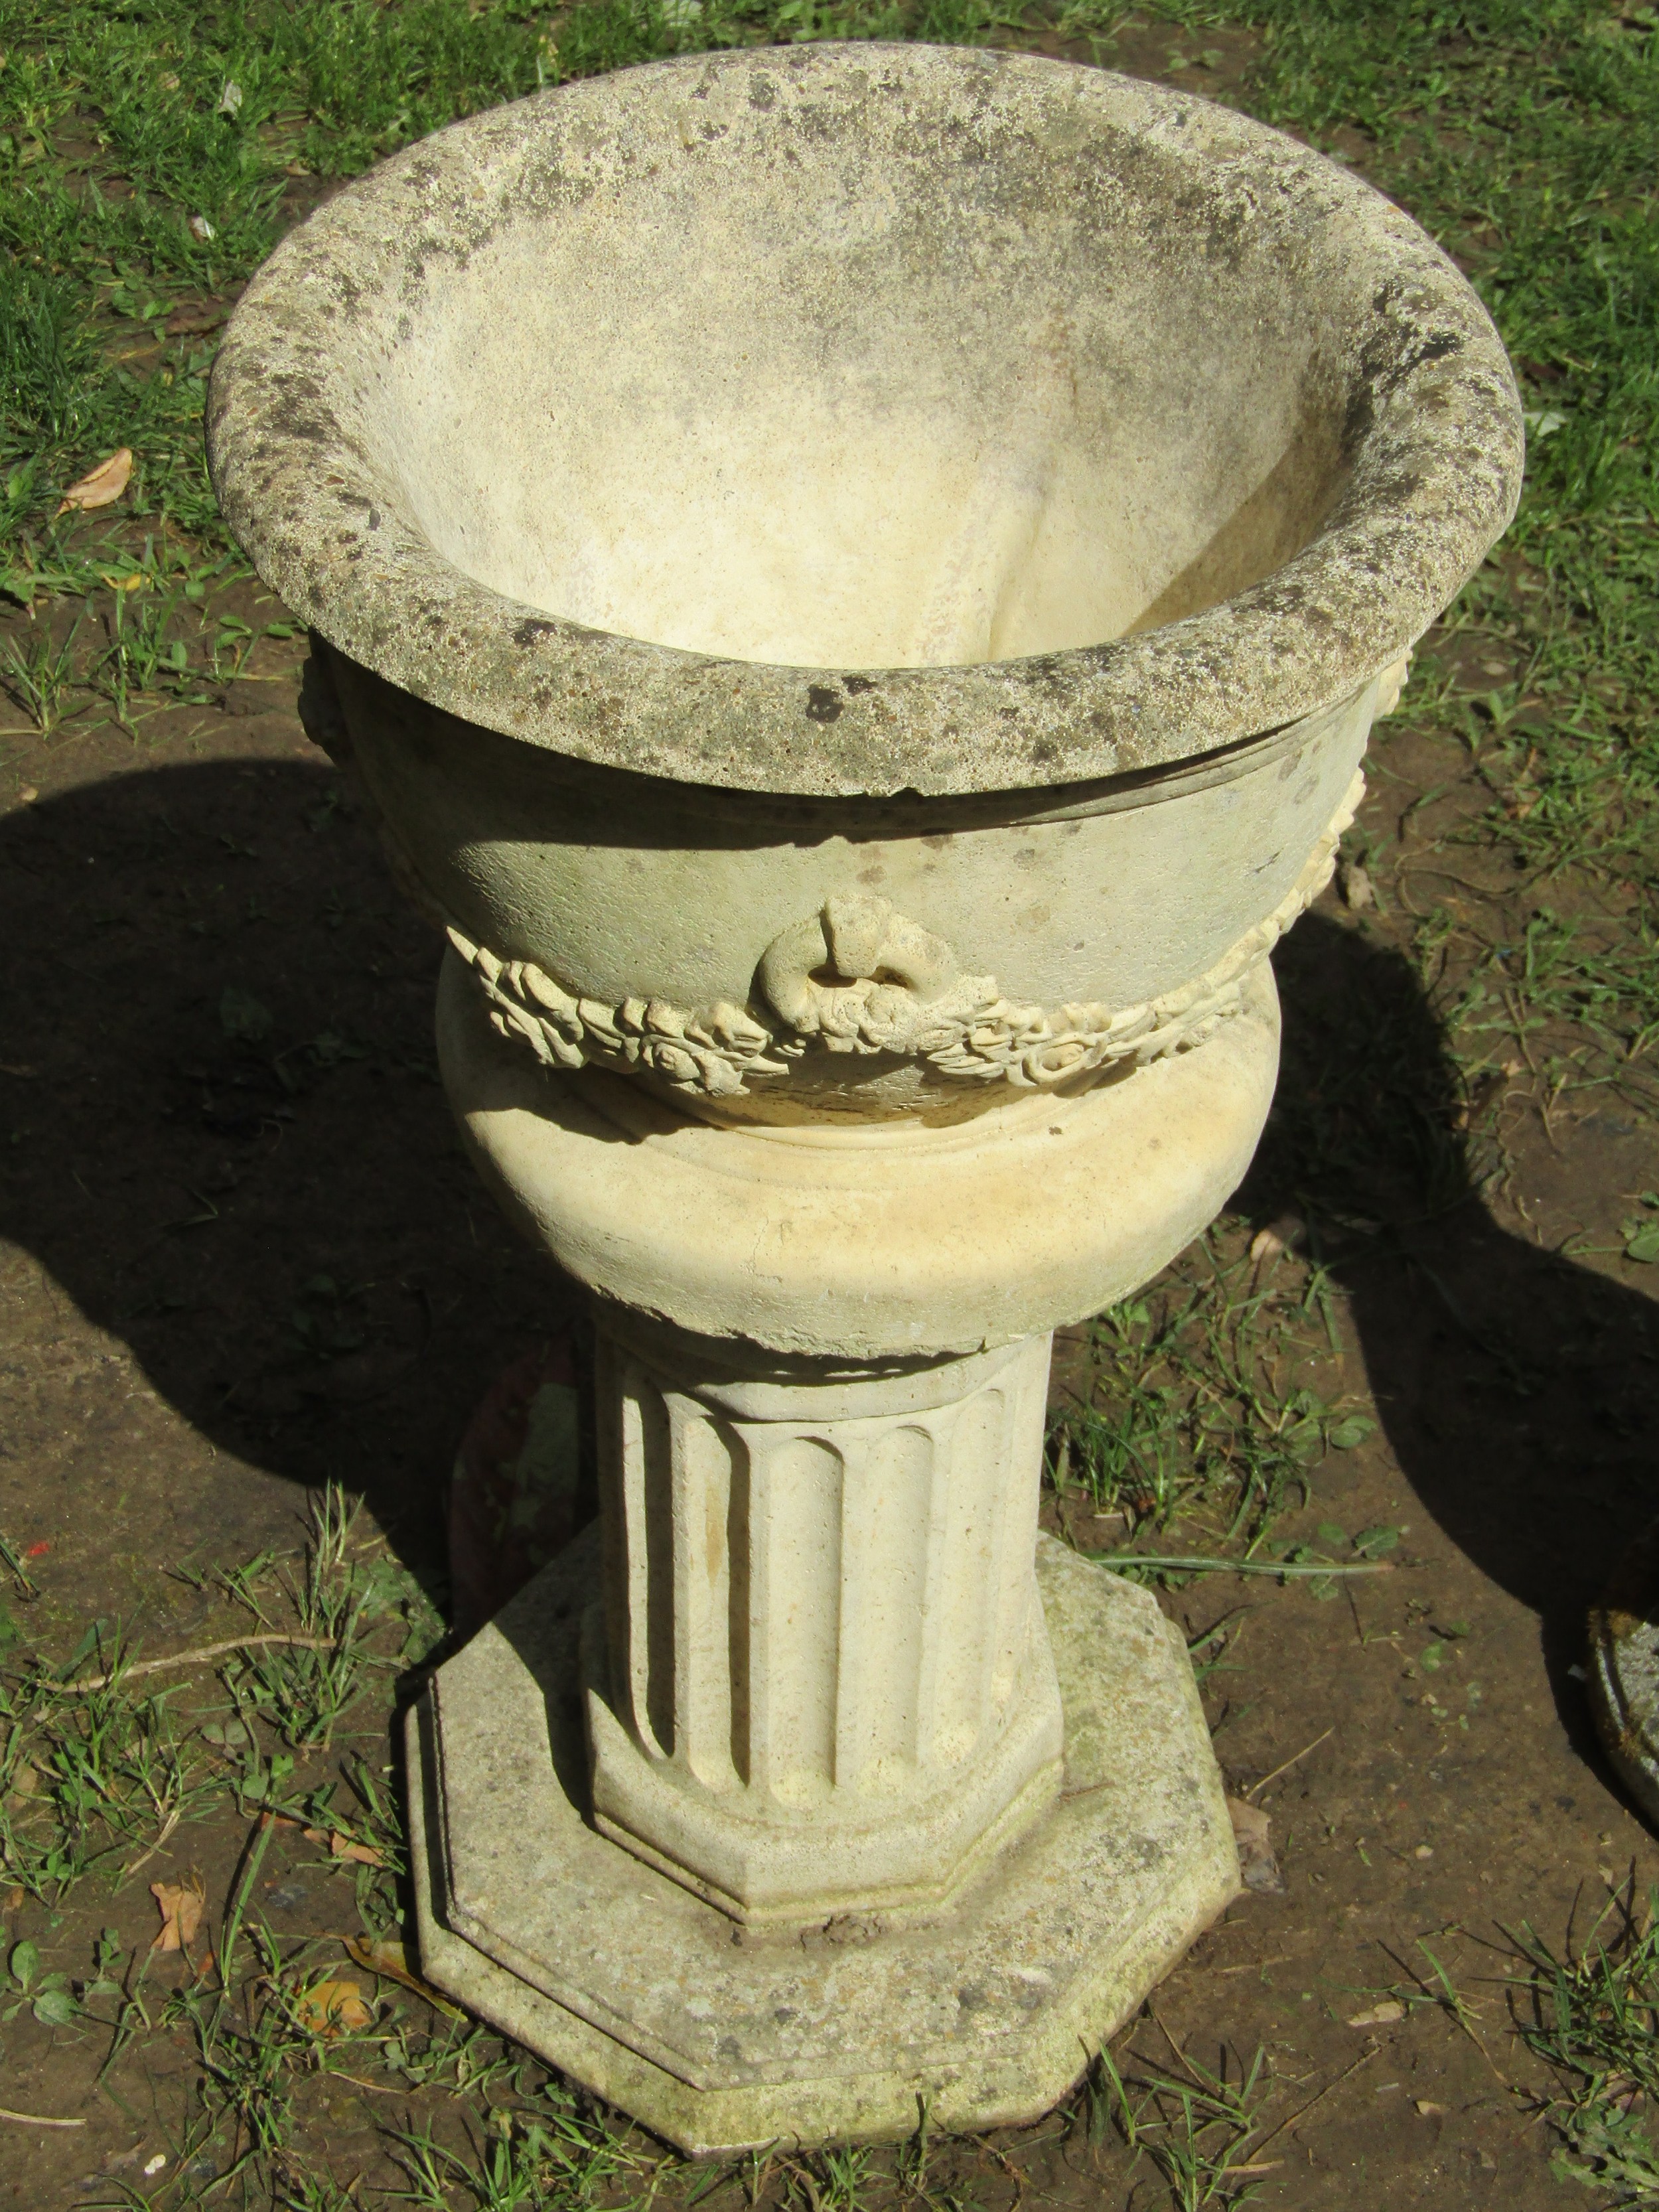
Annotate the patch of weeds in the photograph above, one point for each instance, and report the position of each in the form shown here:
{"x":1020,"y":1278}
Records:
{"x":40,"y":671}
{"x":141,"y":656}
{"x":48,"y":1996}
{"x":1196,"y":2127}
{"x":95,"y":1771}
{"x":1594,"y":2017}
{"x":303,"y":1681}
{"x":1188,"y":1418}
{"x":549,"y":2150}
{"x":834,"y":2179}
{"x":88,"y":1774}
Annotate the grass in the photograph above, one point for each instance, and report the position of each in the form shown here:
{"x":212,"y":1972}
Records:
{"x":1196,"y":2127}
{"x":1593,"y":2016}
{"x":98,"y":1777}
{"x":1191,"y":1422}
{"x":94,"y":1770}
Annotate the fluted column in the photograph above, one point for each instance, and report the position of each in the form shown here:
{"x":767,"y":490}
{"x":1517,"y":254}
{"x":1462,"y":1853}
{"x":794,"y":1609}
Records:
{"x":820,"y":1680}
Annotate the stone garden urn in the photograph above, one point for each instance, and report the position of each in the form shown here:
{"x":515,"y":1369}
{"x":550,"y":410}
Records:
{"x":857,"y":578}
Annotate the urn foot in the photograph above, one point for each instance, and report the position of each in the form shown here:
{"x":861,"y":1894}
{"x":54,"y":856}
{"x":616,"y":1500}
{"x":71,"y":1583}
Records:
{"x":657,"y":2002}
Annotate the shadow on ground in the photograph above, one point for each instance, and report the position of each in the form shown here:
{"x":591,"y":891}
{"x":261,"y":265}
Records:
{"x":224,"y":1137}
{"x":228,"y":1147}
{"x":1514,"y":1385}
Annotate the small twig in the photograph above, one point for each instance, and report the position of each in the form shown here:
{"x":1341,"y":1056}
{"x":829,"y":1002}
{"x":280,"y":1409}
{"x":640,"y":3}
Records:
{"x":1008,"y":2167}
{"x":38,"y":2120}
{"x":204,"y":1652}
{"x":1353,"y":1608}
{"x":1288,"y":1765}
{"x":1165,"y":2033}
{"x":144,"y":1857}
{"x":1364,"y":2059}
{"x":10,"y":1554}
{"x":1235,"y":1566}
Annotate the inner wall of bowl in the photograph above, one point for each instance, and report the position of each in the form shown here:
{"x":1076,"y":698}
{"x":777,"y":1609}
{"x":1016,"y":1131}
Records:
{"x":855,"y":409}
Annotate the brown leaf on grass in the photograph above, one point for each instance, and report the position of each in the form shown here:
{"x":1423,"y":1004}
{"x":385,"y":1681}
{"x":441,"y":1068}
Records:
{"x":1256,"y":1862}
{"x":181,"y":1904}
{"x":341,"y":1847}
{"x":1380,"y":2015}
{"x":331,"y":2008}
{"x":1354,"y":886}
{"x":195,"y":315}
{"x":103,"y":486}
{"x":389,"y":1960}
{"x":1288,"y":1234}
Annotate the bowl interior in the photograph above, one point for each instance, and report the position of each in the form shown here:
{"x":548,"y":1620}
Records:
{"x":874,"y":397}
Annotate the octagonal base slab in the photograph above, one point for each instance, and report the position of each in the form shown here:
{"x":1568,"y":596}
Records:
{"x":647,"y":1996}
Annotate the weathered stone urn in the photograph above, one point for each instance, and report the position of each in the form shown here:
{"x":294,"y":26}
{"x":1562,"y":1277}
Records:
{"x":857,"y":578}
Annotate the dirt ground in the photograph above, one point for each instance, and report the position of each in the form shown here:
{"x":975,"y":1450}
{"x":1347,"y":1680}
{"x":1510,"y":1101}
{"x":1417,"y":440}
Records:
{"x":177,"y":1376}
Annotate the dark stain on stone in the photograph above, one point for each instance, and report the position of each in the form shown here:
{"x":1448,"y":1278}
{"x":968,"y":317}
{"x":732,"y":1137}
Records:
{"x":852,"y":685}
{"x":529,"y":630}
{"x":822,"y":704}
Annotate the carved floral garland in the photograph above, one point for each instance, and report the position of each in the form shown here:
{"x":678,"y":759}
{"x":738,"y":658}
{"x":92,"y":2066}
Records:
{"x":960,"y":1024}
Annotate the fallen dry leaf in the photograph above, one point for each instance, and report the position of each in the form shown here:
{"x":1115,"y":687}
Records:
{"x":341,"y":1847}
{"x":1256,"y":1863}
{"x":1380,"y":2015}
{"x":181,"y":1904}
{"x":389,"y":1960}
{"x":1285,"y":1235}
{"x":333,"y":2009}
{"x":1355,"y":886}
{"x":104,"y":486}
{"x":195,"y":315}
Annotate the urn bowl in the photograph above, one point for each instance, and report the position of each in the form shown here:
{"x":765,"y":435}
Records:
{"x":858,"y":576}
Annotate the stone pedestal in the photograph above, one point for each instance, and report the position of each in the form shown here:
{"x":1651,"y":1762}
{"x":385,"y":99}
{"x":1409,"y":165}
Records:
{"x":811,"y":1783}
{"x":819,"y":1681}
